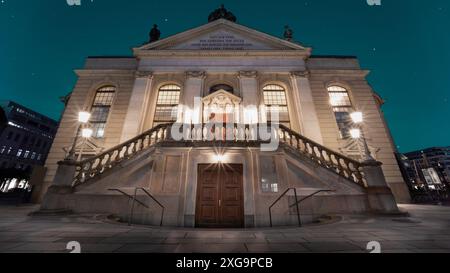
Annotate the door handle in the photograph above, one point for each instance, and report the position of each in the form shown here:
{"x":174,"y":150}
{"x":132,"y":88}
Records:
{"x":220,"y":203}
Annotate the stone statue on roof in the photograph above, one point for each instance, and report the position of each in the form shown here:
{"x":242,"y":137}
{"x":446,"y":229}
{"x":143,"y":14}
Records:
{"x":155,"y":34}
{"x":222,"y":13}
{"x":288,"y":33}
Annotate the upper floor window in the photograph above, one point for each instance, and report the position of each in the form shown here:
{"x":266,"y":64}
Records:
{"x":167,"y":104}
{"x":100,"y":110}
{"x":342,"y":108}
{"x":275,"y":101}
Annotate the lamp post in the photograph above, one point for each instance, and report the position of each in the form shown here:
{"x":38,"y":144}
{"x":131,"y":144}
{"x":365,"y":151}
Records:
{"x":356,"y":133}
{"x":86,"y":133}
{"x":83,"y":118}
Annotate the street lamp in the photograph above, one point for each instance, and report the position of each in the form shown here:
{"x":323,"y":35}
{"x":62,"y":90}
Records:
{"x":83,"y":118}
{"x":356,"y":133}
{"x":86,"y":133}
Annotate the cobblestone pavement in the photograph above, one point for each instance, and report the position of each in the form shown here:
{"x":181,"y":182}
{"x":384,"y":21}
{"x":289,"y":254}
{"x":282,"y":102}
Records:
{"x":427,"y":230}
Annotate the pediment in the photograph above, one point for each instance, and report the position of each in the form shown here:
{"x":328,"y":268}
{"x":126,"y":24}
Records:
{"x":222,"y":35}
{"x":221,"y":97}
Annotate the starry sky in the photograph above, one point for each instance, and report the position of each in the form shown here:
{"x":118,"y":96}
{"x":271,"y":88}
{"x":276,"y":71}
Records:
{"x":405,"y":43}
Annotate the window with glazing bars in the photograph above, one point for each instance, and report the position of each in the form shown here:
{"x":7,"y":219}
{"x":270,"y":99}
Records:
{"x":100,"y":110}
{"x":342,"y":108}
{"x":167,"y":104}
{"x":275,"y":101}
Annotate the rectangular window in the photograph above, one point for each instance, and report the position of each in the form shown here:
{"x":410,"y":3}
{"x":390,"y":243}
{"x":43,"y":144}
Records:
{"x":275,"y":100}
{"x":269,"y":179}
{"x":167,"y":104}
{"x":342,"y":108}
{"x":100,"y":110}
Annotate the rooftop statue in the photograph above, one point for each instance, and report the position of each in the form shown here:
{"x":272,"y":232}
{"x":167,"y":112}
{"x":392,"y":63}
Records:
{"x":155,"y":34}
{"x":222,"y":13}
{"x":288,"y":33}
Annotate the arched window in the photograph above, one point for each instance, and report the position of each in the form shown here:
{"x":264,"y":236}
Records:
{"x":167,"y":104}
{"x":100,"y":110}
{"x":342,"y":108}
{"x":218,"y":87}
{"x":275,"y":100}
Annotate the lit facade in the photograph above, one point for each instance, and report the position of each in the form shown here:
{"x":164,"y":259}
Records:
{"x":222,"y":73}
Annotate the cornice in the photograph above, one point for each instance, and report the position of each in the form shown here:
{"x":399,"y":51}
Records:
{"x":103,"y":72}
{"x":339,"y":72}
{"x":221,"y":53}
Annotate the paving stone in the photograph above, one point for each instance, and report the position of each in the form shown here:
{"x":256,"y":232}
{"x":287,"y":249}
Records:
{"x":330,"y":246}
{"x":211,"y":248}
{"x":99,"y":248}
{"x":146,"y":248}
{"x":133,"y":240}
{"x":22,"y":234}
{"x":43,"y":247}
{"x":276,"y":247}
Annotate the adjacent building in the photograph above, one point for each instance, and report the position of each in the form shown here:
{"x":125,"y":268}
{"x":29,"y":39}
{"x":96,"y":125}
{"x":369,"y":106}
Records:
{"x":428,"y":168}
{"x":25,"y":141}
{"x":191,"y":119}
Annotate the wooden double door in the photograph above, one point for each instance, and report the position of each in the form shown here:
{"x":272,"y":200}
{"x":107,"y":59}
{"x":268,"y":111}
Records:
{"x":220,"y":196}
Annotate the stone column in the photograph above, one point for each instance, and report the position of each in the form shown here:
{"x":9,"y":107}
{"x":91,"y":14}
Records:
{"x":379,"y":195}
{"x":192,"y":97}
{"x":306,"y":110}
{"x":249,"y":92}
{"x":138,"y":105}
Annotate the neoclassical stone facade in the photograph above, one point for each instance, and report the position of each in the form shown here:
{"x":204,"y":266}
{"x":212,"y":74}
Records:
{"x":223,"y":72}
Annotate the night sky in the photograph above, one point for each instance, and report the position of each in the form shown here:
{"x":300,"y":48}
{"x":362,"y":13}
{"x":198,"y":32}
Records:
{"x":406,"y":44}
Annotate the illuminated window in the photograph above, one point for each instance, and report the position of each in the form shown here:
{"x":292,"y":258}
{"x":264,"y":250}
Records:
{"x":167,"y":104}
{"x":276,"y":101}
{"x":100,"y":110}
{"x":342,"y":108}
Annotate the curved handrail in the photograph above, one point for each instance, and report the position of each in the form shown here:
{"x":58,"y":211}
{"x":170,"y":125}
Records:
{"x":217,"y":133}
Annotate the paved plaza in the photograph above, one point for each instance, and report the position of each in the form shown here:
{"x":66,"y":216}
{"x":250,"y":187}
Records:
{"x":426,"y":230}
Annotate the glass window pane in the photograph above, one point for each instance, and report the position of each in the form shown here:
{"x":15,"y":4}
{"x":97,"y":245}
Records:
{"x":275,"y":100}
{"x":167,"y":104}
{"x":100,"y":110}
{"x":342,"y":107}
{"x":269,"y":179}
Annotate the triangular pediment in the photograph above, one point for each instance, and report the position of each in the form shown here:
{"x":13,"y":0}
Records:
{"x":222,"y":95}
{"x":222,"y":35}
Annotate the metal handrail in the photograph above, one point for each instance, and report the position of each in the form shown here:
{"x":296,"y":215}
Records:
{"x":296,"y":202}
{"x":134,"y":198}
{"x":309,"y":196}
{"x":129,"y":196}
{"x":130,"y":222}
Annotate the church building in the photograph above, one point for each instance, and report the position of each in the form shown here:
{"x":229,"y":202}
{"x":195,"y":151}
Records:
{"x":209,"y":127}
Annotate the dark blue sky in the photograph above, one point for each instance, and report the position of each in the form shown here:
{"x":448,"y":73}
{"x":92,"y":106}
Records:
{"x":406,"y":44}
